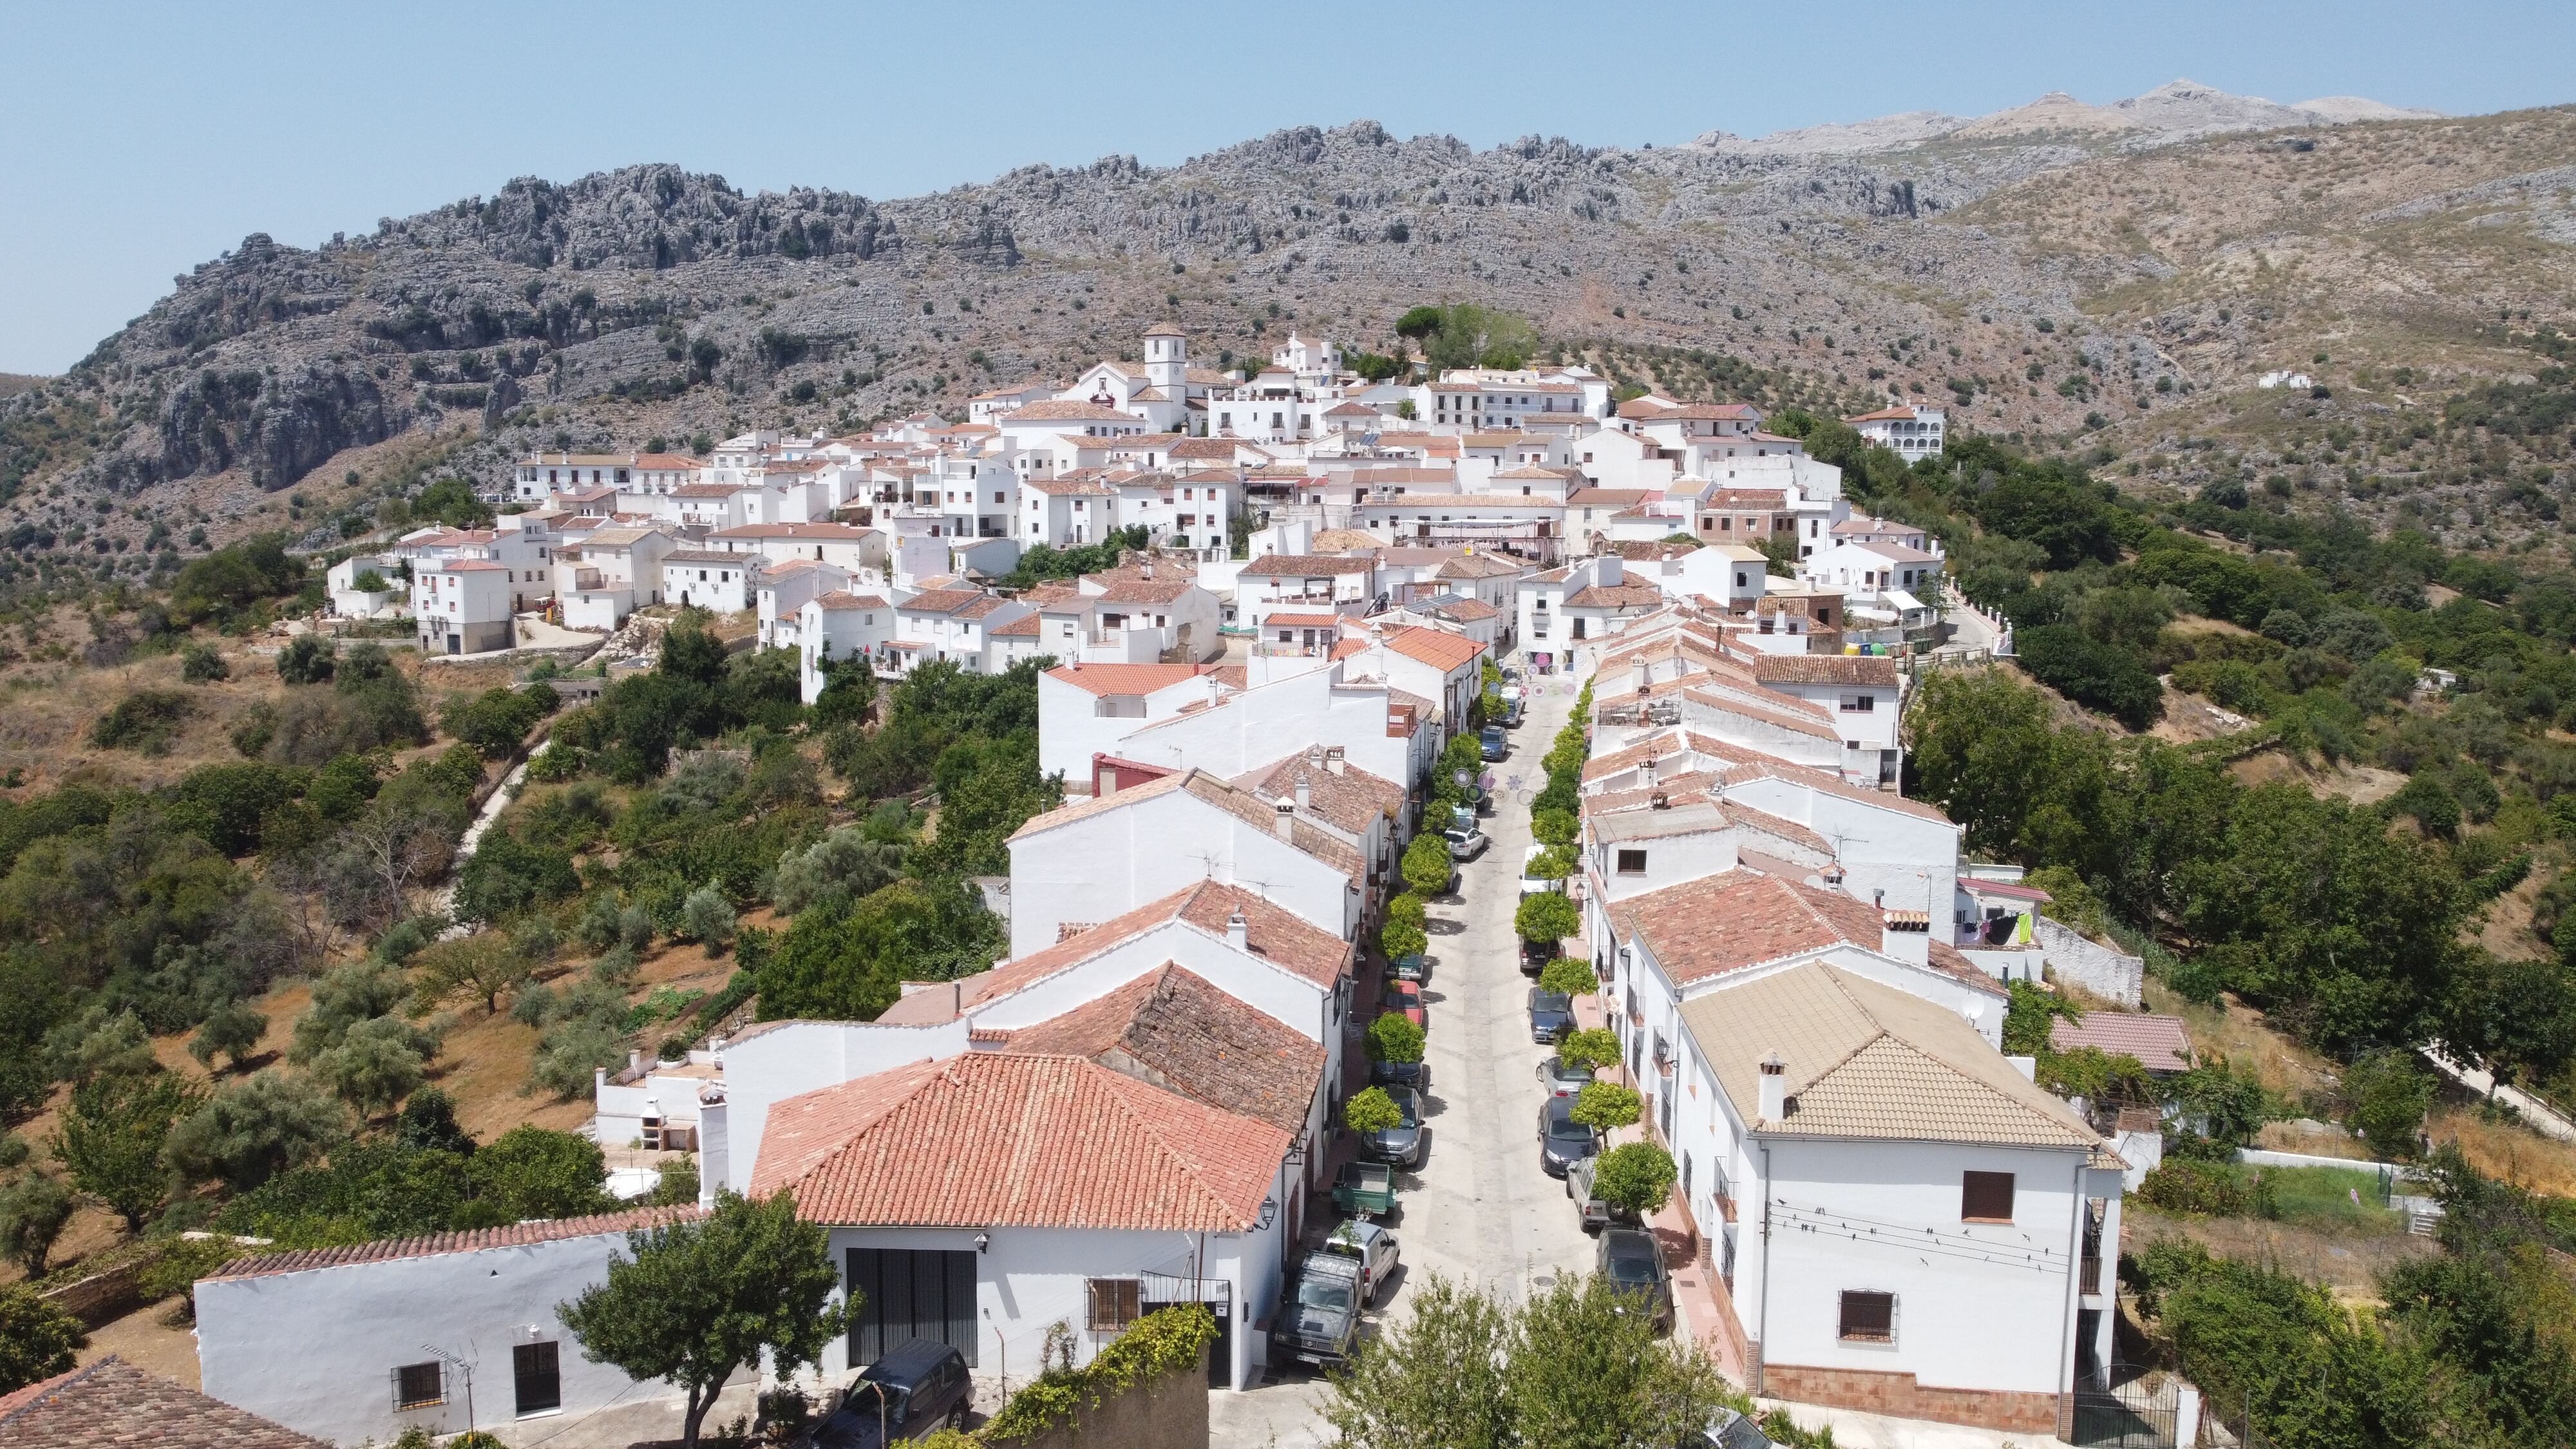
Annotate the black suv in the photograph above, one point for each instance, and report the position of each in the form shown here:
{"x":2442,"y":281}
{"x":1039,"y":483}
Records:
{"x":909,"y":1393}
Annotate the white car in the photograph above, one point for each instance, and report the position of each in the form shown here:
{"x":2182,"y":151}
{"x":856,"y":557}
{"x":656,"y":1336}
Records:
{"x":1375,"y":1248}
{"x":1532,"y":884}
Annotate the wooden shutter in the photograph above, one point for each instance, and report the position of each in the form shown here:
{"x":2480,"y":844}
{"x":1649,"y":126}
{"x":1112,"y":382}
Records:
{"x":1986,"y":1196}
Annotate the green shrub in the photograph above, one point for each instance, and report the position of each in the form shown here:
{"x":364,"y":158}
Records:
{"x":1394,"y":1037}
{"x":1167,"y":1341}
{"x":202,"y":664}
{"x":1570,"y":976}
{"x":143,"y":721}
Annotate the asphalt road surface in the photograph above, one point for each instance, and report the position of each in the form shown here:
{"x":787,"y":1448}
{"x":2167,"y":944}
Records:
{"x":1479,"y":1211}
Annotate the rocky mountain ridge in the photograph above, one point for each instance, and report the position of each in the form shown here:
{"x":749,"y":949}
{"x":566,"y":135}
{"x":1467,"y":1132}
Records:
{"x":2178,"y":110}
{"x":651,"y":302}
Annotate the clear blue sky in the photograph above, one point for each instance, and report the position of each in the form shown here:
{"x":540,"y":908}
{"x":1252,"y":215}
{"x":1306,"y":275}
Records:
{"x":137,"y":141}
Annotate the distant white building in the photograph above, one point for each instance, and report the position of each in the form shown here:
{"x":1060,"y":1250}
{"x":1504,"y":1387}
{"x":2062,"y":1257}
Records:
{"x":461,"y":605}
{"x":1910,"y":430}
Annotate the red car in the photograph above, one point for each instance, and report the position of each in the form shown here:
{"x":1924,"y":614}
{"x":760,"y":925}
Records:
{"x":1405,"y":996}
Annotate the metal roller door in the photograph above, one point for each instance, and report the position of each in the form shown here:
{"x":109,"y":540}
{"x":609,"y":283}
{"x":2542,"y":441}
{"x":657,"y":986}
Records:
{"x":907,"y":1294}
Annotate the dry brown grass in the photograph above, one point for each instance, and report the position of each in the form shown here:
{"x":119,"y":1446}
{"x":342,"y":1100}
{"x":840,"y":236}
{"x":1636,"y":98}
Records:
{"x":2240,"y":1033}
{"x":2511,"y":1154}
{"x":2349,"y":1263}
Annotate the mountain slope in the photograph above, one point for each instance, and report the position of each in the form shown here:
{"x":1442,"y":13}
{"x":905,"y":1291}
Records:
{"x":2044,"y":283}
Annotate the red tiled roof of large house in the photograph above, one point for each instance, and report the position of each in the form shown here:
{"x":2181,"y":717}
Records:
{"x":1147,"y":591}
{"x":1898,"y":414}
{"x":1728,"y":922}
{"x":1171,"y":1028}
{"x":1025,"y":625}
{"x":942,"y":601}
{"x":1438,"y":648}
{"x":1296,"y":565}
{"x":667,"y":461}
{"x":839,"y":599}
{"x":1350,"y":799}
{"x":1002,"y":1139}
{"x":1125,"y":679}
{"x":471,"y":1240}
{"x":111,"y":1404}
{"x":1845,"y":669}
{"x":845,"y":531}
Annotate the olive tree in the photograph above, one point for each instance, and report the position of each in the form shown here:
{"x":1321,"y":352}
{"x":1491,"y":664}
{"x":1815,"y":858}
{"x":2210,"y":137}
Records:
{"x":698,"y":1302}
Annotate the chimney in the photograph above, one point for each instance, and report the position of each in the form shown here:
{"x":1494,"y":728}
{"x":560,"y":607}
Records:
{"x":1773,"y":1103}
{"x":635,"y":1061}
{"x":1238,"y":932}
{"x":1907,"y":936}
{"x":1335,"y":760}
{"x":1305,"y":792}
{"x":1284,"y":815}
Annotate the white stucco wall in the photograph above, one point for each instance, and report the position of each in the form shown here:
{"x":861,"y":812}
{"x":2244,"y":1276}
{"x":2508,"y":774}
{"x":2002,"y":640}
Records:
{"x":1961,"y":1322}
{"x":316,"y":1350}
{"x":1090,"y":869}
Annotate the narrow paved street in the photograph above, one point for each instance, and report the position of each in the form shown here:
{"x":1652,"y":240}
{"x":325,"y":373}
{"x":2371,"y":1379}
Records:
{"x":1480,"y":1211}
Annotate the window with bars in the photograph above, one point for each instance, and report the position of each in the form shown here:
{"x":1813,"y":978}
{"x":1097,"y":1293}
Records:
{"x":1114,"y":1303}
{"x":1632,"y":862}
{"x":420,"y":1385}
{"x":1986,"y":1197}
{"x":538,"y":1373}
{"x":1868,"y":1318}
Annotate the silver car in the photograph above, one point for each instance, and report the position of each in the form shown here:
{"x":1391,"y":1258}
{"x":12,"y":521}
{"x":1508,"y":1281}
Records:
{"x":1375,"y":1248}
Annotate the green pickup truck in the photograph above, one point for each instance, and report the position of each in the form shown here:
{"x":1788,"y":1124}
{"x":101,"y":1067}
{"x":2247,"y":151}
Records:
{"x":1365,"y":1190}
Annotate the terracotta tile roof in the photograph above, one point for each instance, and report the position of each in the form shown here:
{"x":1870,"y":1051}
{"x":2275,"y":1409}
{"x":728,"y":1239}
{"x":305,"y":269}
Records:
{"x":1350,"y":800}
{"x":941,"y":601}
{"x":1705,"y":928}
{"x":2158,"y":1042}
{"x":1173,"y":1029}
{"x":1799,"y":716}
{"x":1609,"y":497}
{"x":1284,"y":620}
{"x":1869,"y":1061}
{"x":1615,"y":596}
{"x":473,"y":1240}
{"x":1001,"y":1139}
{"x":1469,"y":610}
{"x":1345,"y":539}
{"x":843,"y":599}
{"x":1220,"y":448}
{"x":1886,"y":415}
{"x":1026,"y":624}
{"x":981,"y":606}
{"x":1232,"y":676}
{"x":844,"y":531}
{"x":1313,"y":840}
{"x":1898,"y":553}
{"x":1299,"y":565}
{"x":1848,"y":669}
{"x":1468,"y":502}
{"x":1478,"y":566}
{"x":1056,"y":410}
{"x":1068,"y":486}
{"x":1125,"y":679}
{"x":1147,"y":591}
{"x":1779,"y":827}
{"x":1272,"y":933}
{"x":113,"y":1405}
{"x":1438,"y":648}
{"x":729,"y":559}
{"x":1751,"y":764}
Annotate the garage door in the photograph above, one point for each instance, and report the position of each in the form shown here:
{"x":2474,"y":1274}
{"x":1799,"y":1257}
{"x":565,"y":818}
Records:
{"x":907,"y":1294}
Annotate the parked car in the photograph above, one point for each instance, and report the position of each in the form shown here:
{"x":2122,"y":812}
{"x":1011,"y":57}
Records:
{"x":1535,"y":955}
{"x":1412,"y":968}
{"x":1399,"y":1146}
{"x":909,"y":1393}
{"x":1634,"y":1263}
{"x":1372,"y":1247}
{"x":1465,"y":844}
{"x":1562,"y":1080}
{"x":1493,"y":743}
{"x":1592,"y":1211}
{"x":1319,"y":1310}
{"x":1551,"y":1016}
{"x":1416,"y":1075}
{"x":1533,"y":884}
{"x":1562,"y":1141}
{"x":1728,"y":1429}
{"x":1365,"y":1189}
{"x":1406,"y":997}
{"x":1515,"y":709}
{"x":1461,"y":817}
